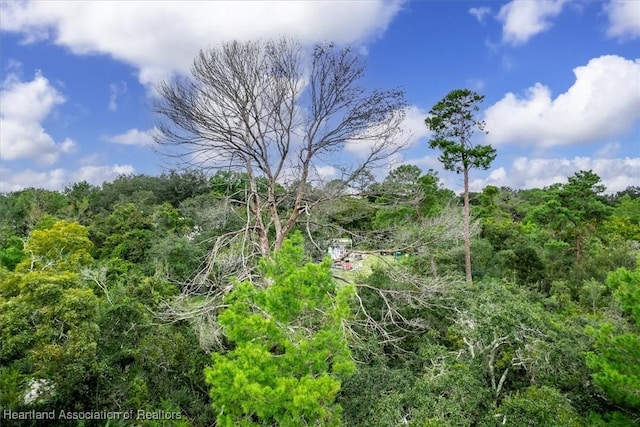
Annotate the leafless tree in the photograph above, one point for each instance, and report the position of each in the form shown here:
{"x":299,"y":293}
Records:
{"x":277,"y":112}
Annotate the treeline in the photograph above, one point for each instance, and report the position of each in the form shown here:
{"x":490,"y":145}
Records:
{"x":91,"y":280}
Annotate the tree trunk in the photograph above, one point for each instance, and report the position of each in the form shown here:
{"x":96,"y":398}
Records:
{"x":467,"y":232}
{"x":256,"y":209}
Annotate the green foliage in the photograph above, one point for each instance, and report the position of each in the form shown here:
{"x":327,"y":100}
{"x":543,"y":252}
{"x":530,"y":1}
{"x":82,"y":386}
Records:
{"x":625,"y":285}
{"x":351,"y":214}
{"x":48,"y":324}
{"x":625,"y":221}
{"x":172,"y":187}
{"x":11,"y":253}
{"x":611,"y":419}
{"x":535,"y":406}
{"x":80,"y":195}
{"x":64,"y":246}
{"x":574,"y":210}
{"x":10,"y":380}
{"x":406,"y":195}
{"x":616,"y":361}
{"x":21,"y":210}
{"x":399,"y":196}
{"x":376,"y":395}
{"x":454,"y":394}
{"x":453,"y":123}
{"x":234,"y":185}
{"x":289,"y":348}
{"x":615,"y":366}
{"x":434,"y":196}
{"x":177,"y":257}
{"x":126,"y":233}
{"x":563,"y":330}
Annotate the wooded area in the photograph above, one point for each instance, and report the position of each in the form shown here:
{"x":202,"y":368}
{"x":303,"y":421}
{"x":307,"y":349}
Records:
{"x":93,"y":279}
{"x":208,"y":296}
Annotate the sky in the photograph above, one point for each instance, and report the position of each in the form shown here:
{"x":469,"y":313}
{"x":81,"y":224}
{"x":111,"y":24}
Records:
{"x":561,"y":79}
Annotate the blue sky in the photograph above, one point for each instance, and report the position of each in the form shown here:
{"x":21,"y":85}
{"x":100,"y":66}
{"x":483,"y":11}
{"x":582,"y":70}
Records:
{"x":561,"y":79}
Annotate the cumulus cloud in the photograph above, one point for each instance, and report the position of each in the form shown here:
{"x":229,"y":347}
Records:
{"x":602,"y":103}
{"x":133,"y":137}
{"x":617,"y":174}
{"x":624,"y":18}
{"x":58,"y":179}
{"x":480,"y":13}
{"x":24,"y":106}
{"x":99,"y":27}
{"x":523,"y":19}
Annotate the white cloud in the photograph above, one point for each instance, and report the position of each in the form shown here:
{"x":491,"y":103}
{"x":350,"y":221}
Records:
{"x":186,"y":27}
{"x":317,"y":174}
{"x":98,"y":174}
{"x":133,"y":137}
{"x":24,"y":106}
{"x":480,"y":13}
{"x":617,"y":174}
{"x":413,"y":129}
{"x":602,"y":103}
{"x":523,"y":19}
{"x":425,"y":162}
{"x":58,"y":179}
{"x":115,"y":90}
{"x":326,"y":172}
{"x":624,"y":18}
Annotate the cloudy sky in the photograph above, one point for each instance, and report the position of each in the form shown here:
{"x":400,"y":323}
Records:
{"x":561,"y":78}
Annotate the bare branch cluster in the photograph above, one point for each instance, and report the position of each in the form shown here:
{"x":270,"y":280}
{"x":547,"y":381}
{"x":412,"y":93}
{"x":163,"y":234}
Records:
{"x":403,"y":301}
{"x":277,"y":113}
{"x":399,"y":315}
{"x":202,"y":298}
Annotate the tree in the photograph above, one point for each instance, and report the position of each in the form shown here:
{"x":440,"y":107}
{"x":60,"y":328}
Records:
{"x":574,"y":210}
{"x":63,"y":246}
{"x":453,"y":122}
{"x":79,"y":196}
{"x":48,"y":329}
{"x":126,"y":233}
{"x":625,"y":220}
{"x":270,"y":110}
{"x":615,"y":364}
{"x":399,"y":196}
{"x":21,"y":210}
{"x":289,"y":349}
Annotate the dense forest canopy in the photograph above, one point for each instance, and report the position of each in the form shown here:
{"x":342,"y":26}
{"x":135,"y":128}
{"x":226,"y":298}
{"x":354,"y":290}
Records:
{"x":548,"y":334}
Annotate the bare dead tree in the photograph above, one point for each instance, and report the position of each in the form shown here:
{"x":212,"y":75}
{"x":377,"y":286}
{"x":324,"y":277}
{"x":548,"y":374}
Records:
{"x":276,"y":111}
